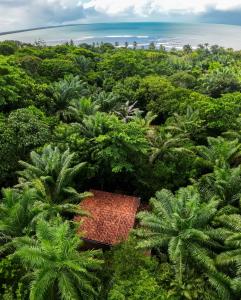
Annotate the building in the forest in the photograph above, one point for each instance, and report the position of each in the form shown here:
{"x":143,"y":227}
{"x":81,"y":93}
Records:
{"x":112,"y":216}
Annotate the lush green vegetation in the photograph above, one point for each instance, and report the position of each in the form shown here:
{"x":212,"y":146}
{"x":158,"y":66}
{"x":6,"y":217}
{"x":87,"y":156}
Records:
{"x":160,"y":125}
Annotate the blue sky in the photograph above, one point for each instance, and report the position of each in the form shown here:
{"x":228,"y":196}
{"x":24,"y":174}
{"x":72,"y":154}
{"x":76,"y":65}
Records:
{"x":18,"y":14}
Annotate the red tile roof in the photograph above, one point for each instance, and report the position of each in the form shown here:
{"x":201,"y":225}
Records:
{"x":112,"y":217}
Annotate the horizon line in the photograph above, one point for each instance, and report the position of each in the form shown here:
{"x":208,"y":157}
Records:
{"x":78,"y":24}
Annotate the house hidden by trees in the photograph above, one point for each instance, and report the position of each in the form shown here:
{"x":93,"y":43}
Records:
{"x":112,"y":216}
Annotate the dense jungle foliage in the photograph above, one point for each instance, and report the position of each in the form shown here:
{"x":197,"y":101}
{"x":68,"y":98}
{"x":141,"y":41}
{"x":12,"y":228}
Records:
{"x":162,"y":125}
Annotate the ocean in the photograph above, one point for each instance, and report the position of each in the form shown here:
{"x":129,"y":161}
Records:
{"x":167,"y":34}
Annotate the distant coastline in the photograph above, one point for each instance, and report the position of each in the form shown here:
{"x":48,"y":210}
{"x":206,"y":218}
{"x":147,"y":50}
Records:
{"x":79,"y":24}
{"x":35,"y":28}
{"x":141,"y":34}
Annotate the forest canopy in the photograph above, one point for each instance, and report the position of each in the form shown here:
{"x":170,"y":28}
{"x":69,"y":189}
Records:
{"x":164,"y":126}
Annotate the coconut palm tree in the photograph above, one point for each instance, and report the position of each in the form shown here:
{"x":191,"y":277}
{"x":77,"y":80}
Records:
{"x":187,"y":49}
{"x":180,"y":225}
{"x":51,"y":174}
{"x":57,"y":268}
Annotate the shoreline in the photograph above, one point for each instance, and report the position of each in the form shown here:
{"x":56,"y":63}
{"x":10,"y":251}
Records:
{"x":167,"y":34}
{"x":79,"y":24}
{"x":36,"y":28}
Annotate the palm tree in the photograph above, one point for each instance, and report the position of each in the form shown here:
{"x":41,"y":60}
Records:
{"x":128,"y":112}
{"x":220,"y":81}
{"x":189,"y":124}
{"x":16,"y":215}
{"x":234,"y":134}
{"x":82,"y":63}
{"x":219,"y":151}
{"x":152,"y":46}
{"x":187,"y":49}
{"x":66,"y":90}
{"x":224,"y":182}
{"x":51,"y":174}
{"x":57,"y":268}
{"x":180,"y":225}
{"x":232,"y":257}
{"x":79,"y":108}
{"x":106,"y":101}
{"x":98,"y":124}
{"x":166,"y":143}
{"x":146,"y":121}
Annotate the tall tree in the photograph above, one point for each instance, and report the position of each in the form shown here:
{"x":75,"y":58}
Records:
{"x":232,"y":257}
{"x":16,"y":215}
{"x":224,"y":182}
{"x":180,"y":226}
{"x":51,"y":173}
{"x":165,"y":143}
{"x":219,"y":151}
{"x":79,"y":108}
{"x":66,"y":90}
{"x":57,"y":268}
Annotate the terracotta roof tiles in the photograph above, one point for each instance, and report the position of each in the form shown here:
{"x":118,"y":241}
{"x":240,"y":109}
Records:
{"x":112,"y":217}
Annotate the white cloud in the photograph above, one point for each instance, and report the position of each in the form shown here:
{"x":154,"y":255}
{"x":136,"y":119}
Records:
{"x":17,"y":14}
{"x":29,"y":13}
{"x":147,"y":7}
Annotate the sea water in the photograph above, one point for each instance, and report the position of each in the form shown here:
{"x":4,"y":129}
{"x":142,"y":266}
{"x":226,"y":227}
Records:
{"x":143,"y":33}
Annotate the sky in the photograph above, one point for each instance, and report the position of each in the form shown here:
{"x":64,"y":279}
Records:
{"x":20,"y":14}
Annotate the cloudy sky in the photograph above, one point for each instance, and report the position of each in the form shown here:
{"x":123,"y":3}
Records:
{"x":18,"y":14}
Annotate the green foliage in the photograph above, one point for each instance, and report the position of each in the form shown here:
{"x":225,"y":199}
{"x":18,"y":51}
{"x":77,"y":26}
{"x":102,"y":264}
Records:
{"x":7,"y":48}
{"x":190,"y":125}
{"x":56,"y":265}
{"x":225,"y":182}
{"x":132,"y":274}
{"x":121,"y":64}
{"x":56,"y":68}
{"x":12,"y":287}
{"x":219,"y":151}
{"x":17,"y":214}
{"x":51,"y":174}
{"x":80,"y":108}
{"x":65,"y":90}
{"x":230,"y":259}
{"x":183,"y":79}
{"x":108,"y":143}
{"x":220,"y":81}
{"x":106,"y":101}
{"x":165,"y":143}
{"x":142,"y":121}
{"x":160,"y":96}
{"x":181,"y":225}
{"x":140,"y":286}
{"x":23,"y":130}
{"x":219,"y":114}
{"x":17,"y":88}
{"x":31,"y":64}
